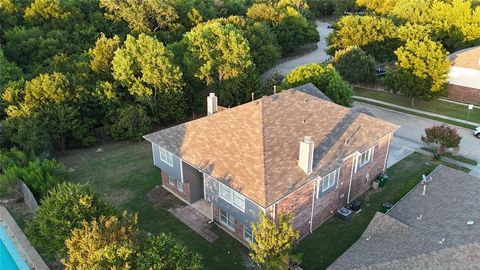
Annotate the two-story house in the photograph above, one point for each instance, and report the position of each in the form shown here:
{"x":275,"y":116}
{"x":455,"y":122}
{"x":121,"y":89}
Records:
{"x":292,"y":152}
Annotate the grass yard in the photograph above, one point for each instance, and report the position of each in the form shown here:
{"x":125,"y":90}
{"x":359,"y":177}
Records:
{"x":435,"y":106}
{"x":334,"y":237}
{"x":124,"y":174}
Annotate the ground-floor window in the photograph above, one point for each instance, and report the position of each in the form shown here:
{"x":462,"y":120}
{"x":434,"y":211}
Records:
{"x":180,"y":186}
{"x":227,"y":220}
{"x":247,"y":233}
{"x":172,"y":181}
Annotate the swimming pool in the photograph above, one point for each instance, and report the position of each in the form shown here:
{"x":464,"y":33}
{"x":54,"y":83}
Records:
{"x":10,"y":258}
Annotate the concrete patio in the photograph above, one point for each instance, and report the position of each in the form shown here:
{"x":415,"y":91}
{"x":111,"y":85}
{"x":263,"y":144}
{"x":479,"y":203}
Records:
{"x":196,"y":220}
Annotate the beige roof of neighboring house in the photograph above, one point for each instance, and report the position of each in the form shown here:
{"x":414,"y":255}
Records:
{"x":254,"y":147}
{"x":430,"y":231}
{"x":466,"y":58}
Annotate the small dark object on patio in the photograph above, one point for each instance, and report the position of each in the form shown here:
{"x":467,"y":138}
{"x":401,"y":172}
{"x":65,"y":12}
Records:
{"x":344,"y":214}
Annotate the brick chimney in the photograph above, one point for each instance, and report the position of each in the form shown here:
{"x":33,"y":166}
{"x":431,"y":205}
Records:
{"x":212,"y":104}
{"x":305,"y":155}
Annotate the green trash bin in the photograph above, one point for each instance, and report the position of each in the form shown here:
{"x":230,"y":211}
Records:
{"x":382,"y":180}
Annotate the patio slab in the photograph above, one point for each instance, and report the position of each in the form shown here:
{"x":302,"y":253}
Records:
{"x":195,"y":220}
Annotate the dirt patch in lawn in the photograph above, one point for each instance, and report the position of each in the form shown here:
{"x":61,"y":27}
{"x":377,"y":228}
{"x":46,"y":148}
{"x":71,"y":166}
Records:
{"x":160,"y":198}
{"x":119,"y":196}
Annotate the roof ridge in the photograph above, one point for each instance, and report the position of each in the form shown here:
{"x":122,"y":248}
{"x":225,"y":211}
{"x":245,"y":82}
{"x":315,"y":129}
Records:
{"x":263,"y":156}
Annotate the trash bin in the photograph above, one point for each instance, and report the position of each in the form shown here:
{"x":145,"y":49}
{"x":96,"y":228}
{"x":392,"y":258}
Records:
{"x":387,"y":206}
{"x":355,"y":206}
{"x":382,"y":180}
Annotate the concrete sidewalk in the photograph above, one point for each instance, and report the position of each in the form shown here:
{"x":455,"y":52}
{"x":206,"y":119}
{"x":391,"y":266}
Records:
{"x":359,"y":98}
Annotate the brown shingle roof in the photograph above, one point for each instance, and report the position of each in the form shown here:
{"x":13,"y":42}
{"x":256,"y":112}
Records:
{"x":467,"y":58}
{"x":254,"y":147}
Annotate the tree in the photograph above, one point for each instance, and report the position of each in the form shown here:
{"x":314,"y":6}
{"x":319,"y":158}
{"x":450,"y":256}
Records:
{"x":376,"y":36}
{"x":379,"y":6}
{"x":355,"y":65}
{"x":324,"y":78}
{"x":263,"y":43}
{"x":154,"y":16}
{"x":131,"y":123}
{"x":28,"y":133}
{"x":61,"y":210}
{"x":41,"y":10}
{"x":294,"y":30}
{"x":440,"y":138}
{"x":273,"y":241}
{"x":420,"y":60}
{"x":103,"y":52}
{"x":219,"y":56}
{"x":144,"y":66}
{"x":47,"y":88}
{"x":164,"y":252}
{"x":107,"y":242}
{"x":8,"y":71}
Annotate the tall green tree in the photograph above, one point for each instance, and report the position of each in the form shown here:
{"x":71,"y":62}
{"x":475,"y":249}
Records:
{"x":103,"y":52}
{"x":355,"y":65}
{"x":274,"y":241}
{"x":376,"y":36}
{"x":155,"y":16}
{"x":420,"y":60}
{"x":219,"y":56}
{"x":144,"y":66}
{"x":324,"y":78}
{"x":61,"y":210}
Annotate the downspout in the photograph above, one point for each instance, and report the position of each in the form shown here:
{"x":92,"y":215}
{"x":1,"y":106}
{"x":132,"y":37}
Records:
{"x":351,"y":177}
{"x":388,"y":151}
{"x":313,"y":204}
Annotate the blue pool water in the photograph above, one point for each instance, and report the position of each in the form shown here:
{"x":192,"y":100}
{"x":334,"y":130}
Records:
{"x":10,"y":258}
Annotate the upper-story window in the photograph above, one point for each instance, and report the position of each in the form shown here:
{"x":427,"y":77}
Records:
{"x":233,"y":197}
{"x":328,"y":181}
{"x":166,"y":156}
{"x":365,"y":157}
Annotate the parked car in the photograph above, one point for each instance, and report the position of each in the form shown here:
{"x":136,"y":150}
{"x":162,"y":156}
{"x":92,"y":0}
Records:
{"x":476,"y":132}
{"x":380,"y":72}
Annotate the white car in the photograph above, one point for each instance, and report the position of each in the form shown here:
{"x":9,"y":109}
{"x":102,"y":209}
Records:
{"x":476,"y":132}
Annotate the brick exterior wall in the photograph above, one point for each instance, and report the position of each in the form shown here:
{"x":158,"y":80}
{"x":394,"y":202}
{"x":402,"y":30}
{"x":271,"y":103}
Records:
{"x":185,"y":195}
{"x":463,"y":94}
{"x":238,"y":233}
{"x":299,"y":203}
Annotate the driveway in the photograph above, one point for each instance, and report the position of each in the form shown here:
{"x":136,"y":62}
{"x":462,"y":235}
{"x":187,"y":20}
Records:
{"x":407,"y":138}
{"x":316,"y":56}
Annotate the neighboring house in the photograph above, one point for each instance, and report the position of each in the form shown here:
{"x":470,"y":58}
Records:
{"x":464,"y":76}
{"x":294,"y":152}
{"x":438,"y":230}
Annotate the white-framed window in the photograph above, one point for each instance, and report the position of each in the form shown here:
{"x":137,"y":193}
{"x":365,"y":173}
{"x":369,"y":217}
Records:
{"x":227,"y":220}
{"x":328,"y":181}
{"x":365,"y":157}
{"x":172,"y":180}
{"x":231,"y":196}
{"x":166,"y":156}
{"x":247,"y":233}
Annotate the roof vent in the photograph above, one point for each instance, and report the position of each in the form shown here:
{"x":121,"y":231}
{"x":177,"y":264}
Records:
{"x":212,"y":104}
{"x":305,"y":156}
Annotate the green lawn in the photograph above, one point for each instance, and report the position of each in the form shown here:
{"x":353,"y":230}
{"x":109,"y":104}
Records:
{"x":334,"y":237}
{"x":124,"y":174}
{"x":435,"y":106}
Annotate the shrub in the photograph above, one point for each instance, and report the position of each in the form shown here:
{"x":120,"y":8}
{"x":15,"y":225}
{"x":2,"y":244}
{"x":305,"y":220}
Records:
{"x":131,"y":124}
{"x":164,"y":252}
{"x":63,"y":209}
{"x":355,"y":65}
{"x":103,"y":243}
{"x":440,"y":138}
{"x":39,"y":175}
